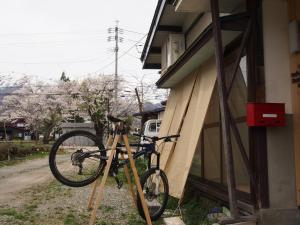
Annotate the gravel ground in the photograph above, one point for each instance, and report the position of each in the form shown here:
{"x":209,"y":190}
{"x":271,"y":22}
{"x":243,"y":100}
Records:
{"x":50,"y":203}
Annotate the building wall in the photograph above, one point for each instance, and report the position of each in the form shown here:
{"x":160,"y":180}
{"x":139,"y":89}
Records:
{"x":83,"y":141}
{"x":160,"y":115}
{"x":280,"y":141}
{"x":198,"y":28}
{"x":294,"y":14}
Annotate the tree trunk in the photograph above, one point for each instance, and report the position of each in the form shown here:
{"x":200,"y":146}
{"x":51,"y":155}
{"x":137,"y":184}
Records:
{"x":46,"y":137}
{"x":36,"y":136}
{"x":99,"y":128}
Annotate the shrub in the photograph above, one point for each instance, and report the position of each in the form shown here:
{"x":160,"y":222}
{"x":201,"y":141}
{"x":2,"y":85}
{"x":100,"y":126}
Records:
{"x":21,"y":149}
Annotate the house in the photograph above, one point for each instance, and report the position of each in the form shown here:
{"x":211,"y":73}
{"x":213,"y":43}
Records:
{"x":216,"y":56}
{"x":14,"y":129}
{"x":152,"y":111}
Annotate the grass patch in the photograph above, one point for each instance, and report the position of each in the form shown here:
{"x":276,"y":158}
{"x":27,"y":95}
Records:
{"x":21,"y":150}
{"x":70,"y":219}
{"x":13,"y":213}
{"x":104,"y":223}
{"x":106,"y":208}
{"x":172,"y":203}
{"x":196,"y":210}
{"x":141,"y":166}
{"x":36,"y":155}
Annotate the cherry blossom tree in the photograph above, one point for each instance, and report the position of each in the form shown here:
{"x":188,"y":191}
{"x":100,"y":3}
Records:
{"x":45,"y":106}
{"x":38,"y":104}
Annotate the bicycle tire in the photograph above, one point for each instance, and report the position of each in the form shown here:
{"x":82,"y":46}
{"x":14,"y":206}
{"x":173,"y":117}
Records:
{"x":155,"y":216}
{"x":52,"y":159}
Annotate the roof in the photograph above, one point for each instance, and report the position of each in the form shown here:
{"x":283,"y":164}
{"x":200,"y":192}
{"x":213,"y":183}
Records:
{"x":169,"y":17}
{"x":150,"y":108}
{"x":201,"y":50}
{"x":156,"y":16}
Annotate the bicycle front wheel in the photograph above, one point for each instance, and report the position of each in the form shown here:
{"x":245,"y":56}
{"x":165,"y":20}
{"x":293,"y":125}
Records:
{"x":156,"y":191}
{"x":75,"y":159}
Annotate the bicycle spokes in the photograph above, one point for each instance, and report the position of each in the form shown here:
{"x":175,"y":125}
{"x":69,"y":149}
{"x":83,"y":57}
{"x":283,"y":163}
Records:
{"x":77,"y":158}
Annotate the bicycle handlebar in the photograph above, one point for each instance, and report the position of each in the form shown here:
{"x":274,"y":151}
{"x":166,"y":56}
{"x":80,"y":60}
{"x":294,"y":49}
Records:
{"x":157,"y":138}
{"x":171,"y":136}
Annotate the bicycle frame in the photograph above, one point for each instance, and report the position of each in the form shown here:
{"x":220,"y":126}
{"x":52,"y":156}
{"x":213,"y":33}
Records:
{"x":148,"y":150}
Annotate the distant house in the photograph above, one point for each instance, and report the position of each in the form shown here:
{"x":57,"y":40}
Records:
{"x":152,"y":111}
{"x":14,"y":129}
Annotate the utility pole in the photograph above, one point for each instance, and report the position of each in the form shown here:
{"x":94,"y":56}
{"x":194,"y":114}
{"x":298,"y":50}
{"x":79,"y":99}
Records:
{"x":140,"y":109}
{"x":116,"y":31}
{"x":139,"y":100}
{"x":116,"y":61}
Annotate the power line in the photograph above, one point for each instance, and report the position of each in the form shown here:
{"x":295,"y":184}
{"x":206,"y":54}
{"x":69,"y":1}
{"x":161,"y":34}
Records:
{"x":52,"y":33}
{"x":125,"y":52}
{"x":74,"y":61}
{"x":53,"y":62}
{"x":135,"y":32}
{"x":96,"y":37}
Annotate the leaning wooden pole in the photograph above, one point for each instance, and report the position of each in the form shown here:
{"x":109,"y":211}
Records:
{"x":103,"y":181}
{"x":225,"y":117}
{"x":97,"y":182}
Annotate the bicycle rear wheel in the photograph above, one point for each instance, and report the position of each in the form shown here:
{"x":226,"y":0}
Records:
{"x":156,"y":191}
{"x":75,"y":160}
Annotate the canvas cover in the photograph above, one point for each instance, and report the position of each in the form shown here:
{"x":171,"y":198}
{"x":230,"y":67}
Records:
{"x":176,"y":109}
{"x":187,"y":105}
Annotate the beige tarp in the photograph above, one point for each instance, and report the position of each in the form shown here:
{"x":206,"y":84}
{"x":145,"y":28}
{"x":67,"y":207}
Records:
{"x":176,"y":109}
{"x":188,"y":117}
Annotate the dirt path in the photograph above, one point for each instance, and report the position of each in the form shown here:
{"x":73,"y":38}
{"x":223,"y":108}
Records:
{"x":14,"y":179}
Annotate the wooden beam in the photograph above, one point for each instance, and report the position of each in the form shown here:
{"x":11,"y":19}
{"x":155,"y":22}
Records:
{"x":241,"y":148}
{"x":169,"y":28}
{"x":152,"y":66}
{"x":257,"y":135}
{"x":100,"y":194}
{"x":224,"y":108}
{"x":202,"y":154}
{"x":218,"y":192}
{"x":155,"y":50}
{"x":240,"y":53}
{"x":238,"y":22}
{"x":97,"y":182}
{"x":246,"y":220}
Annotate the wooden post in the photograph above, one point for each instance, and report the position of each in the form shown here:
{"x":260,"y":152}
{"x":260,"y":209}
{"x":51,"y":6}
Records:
{"x":103,"y":181}
{"x":224,"y":108}
{"x":137,"y":180}
{"x":140,"y":109}
{"x":96,"y":183}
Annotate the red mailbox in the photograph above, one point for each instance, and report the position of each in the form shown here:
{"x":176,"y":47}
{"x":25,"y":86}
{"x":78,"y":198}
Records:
{"x":266,"y":114}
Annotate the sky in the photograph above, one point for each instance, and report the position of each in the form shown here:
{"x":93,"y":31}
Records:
{"x":42,"y":38}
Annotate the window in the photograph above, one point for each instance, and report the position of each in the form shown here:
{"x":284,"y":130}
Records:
{"x":158,"y":126}
{"x":152,"y":127}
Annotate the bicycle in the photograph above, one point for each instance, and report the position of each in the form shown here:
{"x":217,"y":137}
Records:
{"x":87,"y":160}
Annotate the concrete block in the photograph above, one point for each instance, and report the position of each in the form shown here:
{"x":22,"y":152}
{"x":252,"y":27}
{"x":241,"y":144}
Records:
{"x":280,"y":217}
{"x":245,"y":223}
{"x":173,"y":221}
